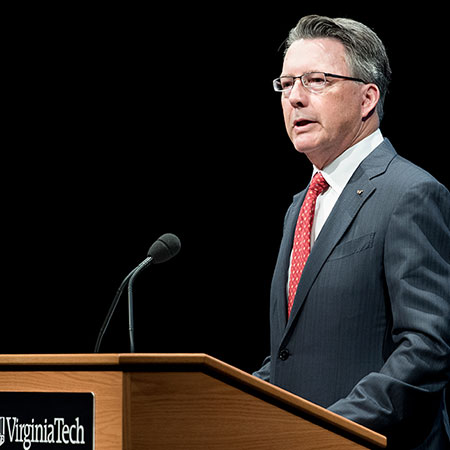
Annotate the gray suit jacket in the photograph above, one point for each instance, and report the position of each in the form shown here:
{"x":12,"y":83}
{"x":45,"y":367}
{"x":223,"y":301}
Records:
{"x":369,"y":332}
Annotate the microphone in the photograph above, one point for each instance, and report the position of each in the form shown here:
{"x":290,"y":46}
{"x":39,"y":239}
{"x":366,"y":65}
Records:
{"x":163,"y":249}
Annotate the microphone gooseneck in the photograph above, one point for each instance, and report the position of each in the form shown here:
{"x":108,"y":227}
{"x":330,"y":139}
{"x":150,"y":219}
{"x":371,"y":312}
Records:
{"x":111,"y":311}
{"x":136,"y":272}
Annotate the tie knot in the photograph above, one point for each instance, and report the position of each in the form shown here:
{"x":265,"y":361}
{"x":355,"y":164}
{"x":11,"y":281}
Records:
{"x":318,"y":184}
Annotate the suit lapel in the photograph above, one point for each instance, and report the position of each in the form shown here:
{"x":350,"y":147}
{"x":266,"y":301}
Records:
{"x":358,"y":190}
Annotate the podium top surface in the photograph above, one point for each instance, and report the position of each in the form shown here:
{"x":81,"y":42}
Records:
{"x":201,"y":362}
{"x":100,"y":359}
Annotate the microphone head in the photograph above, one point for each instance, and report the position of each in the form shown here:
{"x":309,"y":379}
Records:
{"x":165,"y":248}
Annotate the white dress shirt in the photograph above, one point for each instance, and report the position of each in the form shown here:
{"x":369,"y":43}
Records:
{"x":337,"y":174}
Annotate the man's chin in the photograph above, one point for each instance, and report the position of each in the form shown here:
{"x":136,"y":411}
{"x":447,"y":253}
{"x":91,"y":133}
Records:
{"x":313,"y":152}
{"x":304,"y":146}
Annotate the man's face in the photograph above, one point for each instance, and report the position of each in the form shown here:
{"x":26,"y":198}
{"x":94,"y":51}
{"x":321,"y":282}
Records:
{"x":323,"y":125}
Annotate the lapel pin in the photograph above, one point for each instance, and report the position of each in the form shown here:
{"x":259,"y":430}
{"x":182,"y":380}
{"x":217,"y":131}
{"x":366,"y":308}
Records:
{"x":359,"y":191}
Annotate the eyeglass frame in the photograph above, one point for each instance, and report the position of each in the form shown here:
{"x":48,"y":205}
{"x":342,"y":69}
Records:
{"x":300,"y":77}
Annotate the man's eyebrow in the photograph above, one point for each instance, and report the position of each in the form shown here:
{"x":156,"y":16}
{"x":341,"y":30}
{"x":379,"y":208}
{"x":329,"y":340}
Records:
{"x":304,"y":73}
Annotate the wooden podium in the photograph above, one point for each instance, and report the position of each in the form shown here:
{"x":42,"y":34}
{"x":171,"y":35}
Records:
{"x":183,"y":401}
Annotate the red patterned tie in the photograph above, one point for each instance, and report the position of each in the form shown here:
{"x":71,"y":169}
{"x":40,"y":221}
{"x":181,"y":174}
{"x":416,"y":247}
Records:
{"x":302,"y":237}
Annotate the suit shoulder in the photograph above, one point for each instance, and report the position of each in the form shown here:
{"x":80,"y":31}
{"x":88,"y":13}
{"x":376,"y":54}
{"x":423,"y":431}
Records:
{"x":410,"y":170}
{"x":408,"y":176}
{"x":412,"y":185}
{"x":401,"y":172}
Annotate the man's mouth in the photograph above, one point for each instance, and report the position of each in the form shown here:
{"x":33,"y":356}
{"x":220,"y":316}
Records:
{"x":299,"y":123}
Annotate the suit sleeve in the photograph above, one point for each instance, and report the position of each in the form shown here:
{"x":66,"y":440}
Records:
{"x":264,"y":372}
{"x":407,"y":391}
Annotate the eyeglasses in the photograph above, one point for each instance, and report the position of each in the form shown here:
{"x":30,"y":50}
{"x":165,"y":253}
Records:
{"x":313,"y":81}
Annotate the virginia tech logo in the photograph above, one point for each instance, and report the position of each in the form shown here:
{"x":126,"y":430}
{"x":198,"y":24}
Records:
{"x":47,"y":421}
{"x":56,"y":432}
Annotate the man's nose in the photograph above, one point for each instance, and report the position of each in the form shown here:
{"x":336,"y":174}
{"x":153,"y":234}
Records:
{"x":298,"y":95}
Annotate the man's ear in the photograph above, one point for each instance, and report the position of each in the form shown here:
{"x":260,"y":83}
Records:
{"x":370,"y":98}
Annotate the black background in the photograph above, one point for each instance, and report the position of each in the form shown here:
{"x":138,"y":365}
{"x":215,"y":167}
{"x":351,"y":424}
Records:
{"x":129,"y":122}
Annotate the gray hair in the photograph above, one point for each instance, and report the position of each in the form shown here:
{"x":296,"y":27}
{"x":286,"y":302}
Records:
{"x":366,"y":54}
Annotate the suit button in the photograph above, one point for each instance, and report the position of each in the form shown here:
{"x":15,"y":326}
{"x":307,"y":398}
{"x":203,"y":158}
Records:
{"x":284,"y":354}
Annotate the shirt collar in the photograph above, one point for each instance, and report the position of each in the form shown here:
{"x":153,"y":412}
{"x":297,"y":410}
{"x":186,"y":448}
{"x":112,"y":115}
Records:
{"x":338,"y":173}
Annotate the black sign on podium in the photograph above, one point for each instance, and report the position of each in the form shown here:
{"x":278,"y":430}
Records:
{"x":46,"y":421}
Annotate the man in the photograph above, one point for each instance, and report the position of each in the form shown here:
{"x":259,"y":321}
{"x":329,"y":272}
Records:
{"x":363,"y":326}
